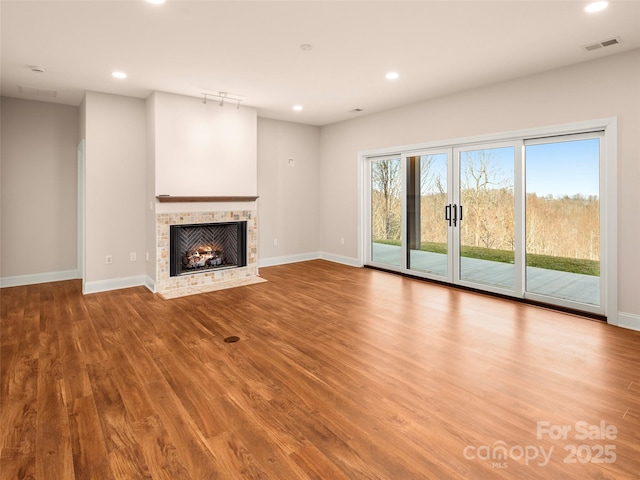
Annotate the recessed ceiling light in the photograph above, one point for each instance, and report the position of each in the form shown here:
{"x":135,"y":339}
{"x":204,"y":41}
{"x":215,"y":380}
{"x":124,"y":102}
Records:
{"x":118,"y":75}
{"x":156,"y":2}
{"x":392,"y":76}
{"x":596,"y":7}
{"x":297,"y":108}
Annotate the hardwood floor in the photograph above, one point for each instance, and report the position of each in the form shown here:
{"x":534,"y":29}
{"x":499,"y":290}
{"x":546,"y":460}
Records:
{"x":340,"y":373}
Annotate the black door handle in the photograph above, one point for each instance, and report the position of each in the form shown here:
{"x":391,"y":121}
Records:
{"x":460,"y":212}
{"x":455,"y":214}
{"x":447,"y":213}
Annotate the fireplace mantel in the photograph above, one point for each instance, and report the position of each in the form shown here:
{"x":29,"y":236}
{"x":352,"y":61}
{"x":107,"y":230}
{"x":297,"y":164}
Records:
{"x":184,"y":199}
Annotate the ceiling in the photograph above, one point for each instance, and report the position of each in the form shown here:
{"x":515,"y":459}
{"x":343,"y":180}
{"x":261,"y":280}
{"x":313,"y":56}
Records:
{"x":252,"y":49}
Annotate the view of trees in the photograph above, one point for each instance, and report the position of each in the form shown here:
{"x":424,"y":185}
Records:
{"x":386,"y":204}
{"x":565,"y":226}
{"x":487,"y":198}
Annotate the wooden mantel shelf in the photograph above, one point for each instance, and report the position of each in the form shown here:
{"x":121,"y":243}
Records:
{"x":170,"y":199}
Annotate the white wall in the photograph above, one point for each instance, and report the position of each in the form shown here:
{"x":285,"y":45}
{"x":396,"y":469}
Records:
{"x":38,"y":163}
{"x":596,"y":89}
{"x":203,"y":149}
{"x":115,"y":190}
{"x":289,"y":203}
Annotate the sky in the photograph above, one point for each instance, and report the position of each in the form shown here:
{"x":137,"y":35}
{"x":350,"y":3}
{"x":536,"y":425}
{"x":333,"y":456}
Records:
{"x":563,"y":168}
{"x":558,"y":168}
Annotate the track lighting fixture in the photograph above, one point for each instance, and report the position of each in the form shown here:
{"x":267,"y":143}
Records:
{"x":223,"y":96}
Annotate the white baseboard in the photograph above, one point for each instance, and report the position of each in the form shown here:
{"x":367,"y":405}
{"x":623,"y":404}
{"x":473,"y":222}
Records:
{"x":303,"y":257}
{"x":114,"y":284}
{"x":150,"y":283}
{"x":629,"y":320}
{"x":350,"y":261}
{"x":20,"y":280}
{"x":273,"y":261}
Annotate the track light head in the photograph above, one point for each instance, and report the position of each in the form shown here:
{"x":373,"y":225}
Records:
{"x":223,"y":96}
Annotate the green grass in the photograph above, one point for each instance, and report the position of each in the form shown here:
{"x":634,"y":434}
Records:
{"x":562,"y":264}
{"x":575,"y":265}
{"x":503,"y":256}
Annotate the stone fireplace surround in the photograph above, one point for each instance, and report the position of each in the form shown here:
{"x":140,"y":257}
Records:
{"x":170,"y":287}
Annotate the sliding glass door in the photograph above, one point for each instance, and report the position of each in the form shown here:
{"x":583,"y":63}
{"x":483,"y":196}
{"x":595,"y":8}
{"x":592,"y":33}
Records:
{"x":520,"y":218}
{"x":486,"y":216}
{"x":428,"y":193}
{"x":563,"y":218}
{"x":460,"y":218}
{"x":385,"y":203}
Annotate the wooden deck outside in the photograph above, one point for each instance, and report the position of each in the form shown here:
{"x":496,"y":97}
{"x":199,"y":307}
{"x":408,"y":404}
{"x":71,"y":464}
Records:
{"x":566,"y":285}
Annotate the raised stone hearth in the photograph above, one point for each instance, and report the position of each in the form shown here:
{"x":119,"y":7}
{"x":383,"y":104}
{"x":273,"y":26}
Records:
{"x":171,"y":287}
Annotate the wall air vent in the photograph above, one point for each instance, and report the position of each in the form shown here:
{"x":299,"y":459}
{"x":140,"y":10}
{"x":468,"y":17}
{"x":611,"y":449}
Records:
{"x":604,"y":43}
{"x":40,"y":92}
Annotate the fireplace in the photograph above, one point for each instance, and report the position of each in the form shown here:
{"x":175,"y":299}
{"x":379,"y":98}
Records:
{"x":170,"y":285}
{"x":203,"y":247}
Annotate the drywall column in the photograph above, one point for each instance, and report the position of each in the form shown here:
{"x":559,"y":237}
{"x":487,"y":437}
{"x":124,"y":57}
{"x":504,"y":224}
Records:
{"x":115,"y":191}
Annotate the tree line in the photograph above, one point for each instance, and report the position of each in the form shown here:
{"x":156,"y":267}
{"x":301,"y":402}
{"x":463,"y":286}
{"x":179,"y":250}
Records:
{"x":565,"y":226}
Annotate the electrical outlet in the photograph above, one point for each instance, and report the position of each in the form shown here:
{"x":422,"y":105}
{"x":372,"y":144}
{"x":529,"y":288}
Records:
{"x":342,"y":241}
{"x":132,"y":256}
{"x":275,"y":242}
{"x":291,"y":162}
{"x":109,"y":259}
{"x":147,"y":256}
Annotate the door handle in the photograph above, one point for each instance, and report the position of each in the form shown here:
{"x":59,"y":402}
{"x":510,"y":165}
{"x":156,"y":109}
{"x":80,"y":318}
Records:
{"x":447,"y":213}
{"x":460,"y":213}
{"x":455,"y":215}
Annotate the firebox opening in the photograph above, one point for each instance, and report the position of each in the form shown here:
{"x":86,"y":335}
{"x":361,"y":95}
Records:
{"x":204,"y":247}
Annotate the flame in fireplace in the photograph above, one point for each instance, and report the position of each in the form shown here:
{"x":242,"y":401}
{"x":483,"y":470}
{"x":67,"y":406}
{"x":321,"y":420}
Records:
{"x":203,"y":256}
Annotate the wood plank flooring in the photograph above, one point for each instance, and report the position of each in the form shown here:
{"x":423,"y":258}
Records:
{"x":340,"y":373}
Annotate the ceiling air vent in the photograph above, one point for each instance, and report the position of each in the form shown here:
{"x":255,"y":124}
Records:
{"x":41,"y":92}
{"x":605,"y":43}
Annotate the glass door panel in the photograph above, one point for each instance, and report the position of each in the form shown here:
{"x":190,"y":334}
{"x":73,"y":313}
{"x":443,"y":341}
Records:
{"x":427,"y":229}
{"x":485,"y":215}
{"x":563,"y":219}
{"x":386,"y":211}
